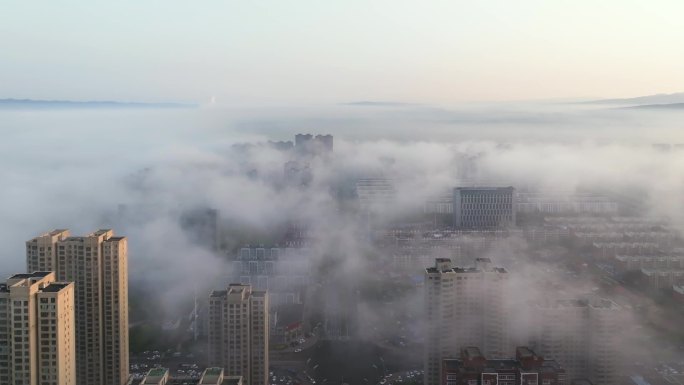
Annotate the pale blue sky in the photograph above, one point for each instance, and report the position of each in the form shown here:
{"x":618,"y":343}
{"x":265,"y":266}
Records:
{"x":327,"y":51}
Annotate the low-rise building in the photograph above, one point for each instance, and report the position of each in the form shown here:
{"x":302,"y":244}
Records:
{"x":527,"y":368}
{"x":156,"y":376}
{"x":216,"y":376}
{"x":663,"y":278}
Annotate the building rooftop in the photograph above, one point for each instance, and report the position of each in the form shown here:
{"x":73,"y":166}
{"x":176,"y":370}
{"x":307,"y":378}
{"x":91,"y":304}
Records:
{"x":472,"y":352}
{"x":466,"y":270}
{"x":232,"y":380}
{"x":211,"y":376}
{"x":526,"y":361}
{"x":51,"y":233}
{"x":54,"y":287}
{"x":35,"y":274}
{"x":157,"y":372}
{"x":219,"y":293}
{"x":154,"y":376}
{"x":501,"y":364}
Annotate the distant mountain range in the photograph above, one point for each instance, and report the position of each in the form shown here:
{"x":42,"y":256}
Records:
{"x":670,"y":106}
{"x":660,"y":99}
{"x":372,"y":103}
{"x":59,"y":104}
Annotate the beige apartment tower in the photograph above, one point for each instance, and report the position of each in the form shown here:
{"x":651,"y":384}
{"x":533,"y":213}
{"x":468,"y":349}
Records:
{"x":98,"y":265}
{"x":37,"y":330}
{"x":464,"y":306}
{"x":238,"y":332}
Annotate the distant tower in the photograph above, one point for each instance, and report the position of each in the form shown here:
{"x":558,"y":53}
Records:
{"x":325,"y":142}
{"x":238,"y":332}
{"x":303,"y":140}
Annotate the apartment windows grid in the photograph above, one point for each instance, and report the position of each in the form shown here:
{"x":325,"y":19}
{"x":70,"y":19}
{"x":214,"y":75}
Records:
{"x":97,"y":263}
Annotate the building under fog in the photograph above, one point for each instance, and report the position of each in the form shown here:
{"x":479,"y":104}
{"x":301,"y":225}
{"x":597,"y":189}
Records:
{"x":284,"y":271}
{"x":201,"y":226}
{"x":313,"y":145}
{"x":297,"y":173}
{"x":483,"y":207}
{"x":37,"y":330}
{"x":557,"y":203}
{"x":581,"y":334}
{"x":464,"y":306}
{"x":375,"y":194}
{"x":239,"y":332}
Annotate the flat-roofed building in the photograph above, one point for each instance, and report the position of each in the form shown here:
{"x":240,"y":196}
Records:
{"x":37,"y":330}
{"x":98,"y":265}
{"x":156,"y":376}
{"x":564,"y":203}
{"x":527,"y":368}
{"x":216,"y":376}
{"x":483,"y":207}
{"x":239,"y":332}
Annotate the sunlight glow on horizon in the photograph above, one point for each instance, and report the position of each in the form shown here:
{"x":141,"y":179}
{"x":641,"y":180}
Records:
{"x":338,"y":51}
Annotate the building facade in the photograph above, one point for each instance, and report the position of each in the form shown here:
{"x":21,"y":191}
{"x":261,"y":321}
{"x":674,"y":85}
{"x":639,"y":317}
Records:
{"x":527,"y":368}
{"x":564,"y":203}
{"x":580,"y":334}
{"x":483,"y":207}
{"x":37,"y":331}
{"x":98,"y":265}
{"x":284,"y":271}
{"x":463,"y":307}
{"x":239,"y":331}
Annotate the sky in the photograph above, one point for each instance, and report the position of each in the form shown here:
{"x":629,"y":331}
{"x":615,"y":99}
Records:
{"x":273,"y":52}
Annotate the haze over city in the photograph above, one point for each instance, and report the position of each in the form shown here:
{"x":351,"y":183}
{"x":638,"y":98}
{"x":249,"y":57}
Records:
{"x":382,"y":193}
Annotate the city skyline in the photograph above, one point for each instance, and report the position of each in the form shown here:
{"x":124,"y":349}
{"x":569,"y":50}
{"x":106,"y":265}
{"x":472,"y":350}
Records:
{"x":390,"y":192}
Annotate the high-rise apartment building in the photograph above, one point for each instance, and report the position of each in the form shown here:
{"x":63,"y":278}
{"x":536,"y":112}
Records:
{"x":463,"y":307}
{"x":41,"y":253}
{"x":580,"y":334}
{"x":238,"y":332}
{"x":483,"y":207}
{"x":37,"y":330}
{"x":98,"y":265}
